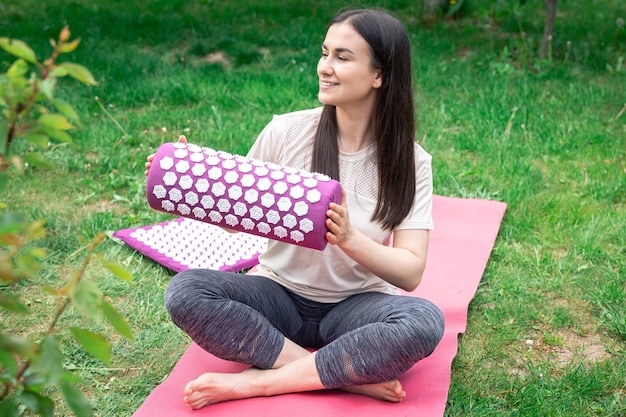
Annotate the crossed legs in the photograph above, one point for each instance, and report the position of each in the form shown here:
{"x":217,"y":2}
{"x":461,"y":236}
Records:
{"x":280,"y":365}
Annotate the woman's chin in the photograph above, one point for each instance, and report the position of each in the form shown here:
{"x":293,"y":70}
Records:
{"x":324,"y":99}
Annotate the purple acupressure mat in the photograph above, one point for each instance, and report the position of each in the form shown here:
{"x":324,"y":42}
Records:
{"x":242,"y":194}
{"x":184,"y":243}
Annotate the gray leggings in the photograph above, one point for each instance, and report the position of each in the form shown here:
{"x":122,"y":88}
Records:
{"x":367,"y":338}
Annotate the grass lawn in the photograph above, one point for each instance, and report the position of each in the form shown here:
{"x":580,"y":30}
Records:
{"x":547,"y":329}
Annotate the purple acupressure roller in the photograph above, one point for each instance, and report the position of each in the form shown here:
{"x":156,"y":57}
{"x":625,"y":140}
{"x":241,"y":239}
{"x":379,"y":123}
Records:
{"x":242,"y":194}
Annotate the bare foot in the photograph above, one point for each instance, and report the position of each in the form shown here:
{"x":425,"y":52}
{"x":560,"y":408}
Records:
{"x":211,"y":388}
{"x":386,"y":391}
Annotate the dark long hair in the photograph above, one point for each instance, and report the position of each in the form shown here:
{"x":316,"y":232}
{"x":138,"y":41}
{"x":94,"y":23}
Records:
{"x":394,"y":119}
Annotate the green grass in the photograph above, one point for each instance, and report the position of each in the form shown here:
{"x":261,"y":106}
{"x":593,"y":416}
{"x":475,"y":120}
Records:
{"x":546,"y":333}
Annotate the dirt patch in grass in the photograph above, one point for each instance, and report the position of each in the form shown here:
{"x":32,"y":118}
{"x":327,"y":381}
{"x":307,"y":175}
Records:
{"x":562,"y":349}
{"x":584,"y":348}
{"x":585,"y":343}
{"x":576,"y":340}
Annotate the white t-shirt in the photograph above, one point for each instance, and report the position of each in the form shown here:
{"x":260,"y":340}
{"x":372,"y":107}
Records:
{"x":330,"y":275}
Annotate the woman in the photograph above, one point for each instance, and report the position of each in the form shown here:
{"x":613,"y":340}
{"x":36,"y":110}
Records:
{"x":342,"y":301}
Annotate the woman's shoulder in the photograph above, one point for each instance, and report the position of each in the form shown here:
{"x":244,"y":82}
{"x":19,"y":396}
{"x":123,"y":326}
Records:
{"x":298,"y":127}
{"x":288,"y":139}
{"x":421,"y":155}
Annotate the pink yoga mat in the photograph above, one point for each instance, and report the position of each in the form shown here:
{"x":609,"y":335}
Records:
{"x":460,"y":246}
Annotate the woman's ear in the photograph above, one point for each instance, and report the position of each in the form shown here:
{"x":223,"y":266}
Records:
{"x":378,"y":80}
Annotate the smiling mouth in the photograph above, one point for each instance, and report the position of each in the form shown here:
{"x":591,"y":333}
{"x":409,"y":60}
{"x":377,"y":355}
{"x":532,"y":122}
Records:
{"x":327,"y":84}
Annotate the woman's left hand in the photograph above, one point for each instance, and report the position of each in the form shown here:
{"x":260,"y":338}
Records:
{"x":401,"y":265}
{"x":338,"y":221}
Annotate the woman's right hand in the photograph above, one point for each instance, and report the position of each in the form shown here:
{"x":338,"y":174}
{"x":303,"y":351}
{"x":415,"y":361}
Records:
{"x":181,"y":139}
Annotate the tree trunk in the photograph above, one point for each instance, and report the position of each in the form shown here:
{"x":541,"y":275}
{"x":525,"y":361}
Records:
{"x":548,"y":29}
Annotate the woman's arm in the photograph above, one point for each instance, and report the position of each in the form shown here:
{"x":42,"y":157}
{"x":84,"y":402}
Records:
{"x":401,"y":264}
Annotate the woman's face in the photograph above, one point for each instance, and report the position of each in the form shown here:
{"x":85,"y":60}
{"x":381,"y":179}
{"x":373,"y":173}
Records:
{"x":345,"y":69}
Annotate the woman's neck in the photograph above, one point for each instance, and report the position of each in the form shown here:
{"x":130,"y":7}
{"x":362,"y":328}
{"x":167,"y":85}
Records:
{"x":356,"y":130}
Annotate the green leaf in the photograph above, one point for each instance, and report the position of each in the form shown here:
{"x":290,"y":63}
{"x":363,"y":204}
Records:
{"x":7,"y":274}
{"x":27,"y":265}
{"x":69,"y":47}
{"x":37,"y":230}
{"x":88,"y":298}
{"x":117,"y":320}
{"x":66,"y":110}
{"x":55,"y":121}
{"x":40,"y":139}
{"x":94,"y":343}
{"x":57,"y":134}
{"x":8,"y":360}
{"x":18,"y":69}
{"x":37,"y":159}
{"x":8,"y":408}
{"x":75,"y":399}
{"x":46,"y":406}
{"x":58,"y":72}
{"x":117,"y":270}
{"x":47,"y":363}
{"x":12,"y":303}
{"x":47,"y":87}
{"x":78,"y":72}
{"x":71,"y":378}
{"x":18,"y":48}
{"x":37,"y":403}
